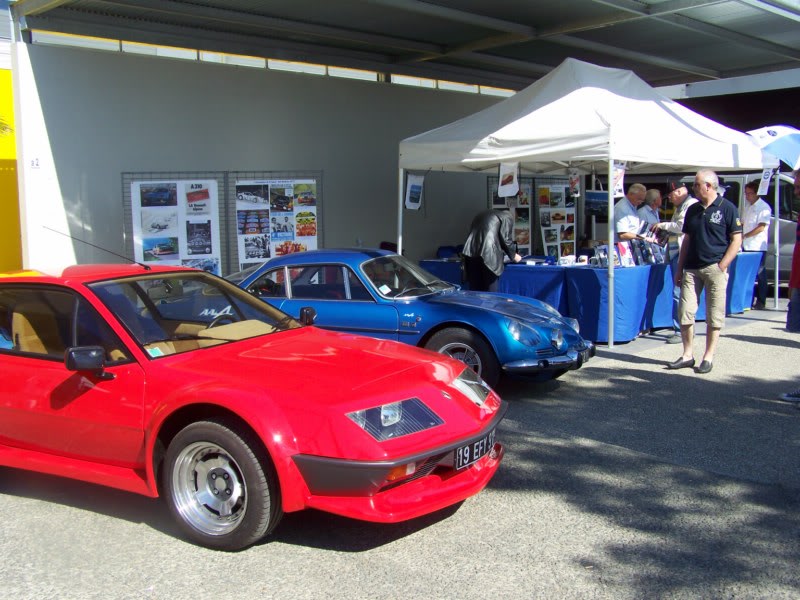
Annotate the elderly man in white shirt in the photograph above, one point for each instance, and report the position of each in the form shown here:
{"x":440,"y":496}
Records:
{"x":648,"y":212}
{"x":628,"y":224}
{"x":756,"y":218}
{"x":678,"y":195}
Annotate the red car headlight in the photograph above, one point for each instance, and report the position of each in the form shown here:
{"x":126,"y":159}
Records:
{"x":395,"y":419}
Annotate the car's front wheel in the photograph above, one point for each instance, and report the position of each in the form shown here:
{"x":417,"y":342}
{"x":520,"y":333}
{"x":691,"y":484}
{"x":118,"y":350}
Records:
{"x":470,"y":348}
{"x":220,"y":486}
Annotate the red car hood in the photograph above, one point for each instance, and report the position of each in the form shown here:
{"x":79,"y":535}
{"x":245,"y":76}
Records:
{"x":311,"y":360}
{"x":316,"y":377}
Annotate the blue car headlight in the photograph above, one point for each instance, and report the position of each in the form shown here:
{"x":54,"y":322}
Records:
{"x":524,"y":334}
{"x":572,"y":323}
{"x":395,"y":419}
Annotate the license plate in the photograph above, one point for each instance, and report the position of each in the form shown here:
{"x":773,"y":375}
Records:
{"x":469,"y":453}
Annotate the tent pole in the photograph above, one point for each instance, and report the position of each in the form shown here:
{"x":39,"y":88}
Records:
{"x":777,"y":234}
{"x":611,"y":246}
{"x":400,"y":211}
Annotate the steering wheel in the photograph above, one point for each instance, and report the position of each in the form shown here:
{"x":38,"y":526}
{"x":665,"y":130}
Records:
{"x":220,"y":318}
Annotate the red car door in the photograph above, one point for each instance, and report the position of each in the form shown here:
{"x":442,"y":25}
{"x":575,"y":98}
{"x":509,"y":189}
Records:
{"x":48,"y":408}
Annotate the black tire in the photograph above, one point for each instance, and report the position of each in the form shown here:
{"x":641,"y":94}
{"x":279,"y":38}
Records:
{"x":220,"y":486}
{"x":470,"y":348}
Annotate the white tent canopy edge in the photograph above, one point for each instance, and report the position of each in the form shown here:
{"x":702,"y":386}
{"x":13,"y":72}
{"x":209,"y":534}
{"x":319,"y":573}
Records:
{"x":581,"y":116}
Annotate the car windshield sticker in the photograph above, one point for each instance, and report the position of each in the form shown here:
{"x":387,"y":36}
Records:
{"x":155,"y":352}
{"x":384,"y":289}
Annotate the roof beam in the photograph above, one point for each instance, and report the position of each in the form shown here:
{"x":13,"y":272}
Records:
{"x":230,"y":17}
{"x":782,"y":9}
{"x":522,"y":33}
{"x":670,"y":15}
{"x":23,"y":8}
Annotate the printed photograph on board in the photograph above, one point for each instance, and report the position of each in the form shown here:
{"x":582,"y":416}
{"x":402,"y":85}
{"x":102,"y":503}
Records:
{"x":281,"y":199}
{"x":556,"y":197}
{"x":198,"y":199}
{"x":158,"y":194}
{"x":567,"y":248}
{"x":251,"y":195}
{"x":249,"y":222}
{"x":282,"y":227}
{"x":305,"y":193}
{"x":198,"y":237}
{"x":544,"y":218}
{"x":306,"y":223}
{"x":160,"y":249}
{"x":159,"y":221}
{"x":210,"y":265}
{"x":550,"y":236}
{"x":544,"y":196}
{"x":256,"y":246}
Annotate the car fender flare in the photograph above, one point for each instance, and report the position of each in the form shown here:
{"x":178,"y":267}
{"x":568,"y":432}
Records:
{"x":459,"y":324}
{"x":263,"y":417}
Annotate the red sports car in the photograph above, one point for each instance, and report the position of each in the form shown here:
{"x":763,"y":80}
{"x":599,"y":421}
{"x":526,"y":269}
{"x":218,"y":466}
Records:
{"x":171,"y":381}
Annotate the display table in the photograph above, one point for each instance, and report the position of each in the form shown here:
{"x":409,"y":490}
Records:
{"x":543,"y":282}
{"x":587,"y":298}
{"x":642,"y":295}
{"x":658,"y":304}
{"x":446,"y":269}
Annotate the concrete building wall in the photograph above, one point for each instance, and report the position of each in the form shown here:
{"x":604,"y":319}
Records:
{"x":85,"y":117}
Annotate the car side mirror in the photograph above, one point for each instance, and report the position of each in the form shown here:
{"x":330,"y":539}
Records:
{"x":87,"y":358}
{"x":308,"y":315}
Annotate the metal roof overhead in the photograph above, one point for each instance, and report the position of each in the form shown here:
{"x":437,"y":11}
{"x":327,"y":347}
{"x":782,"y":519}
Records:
{"x":504,"y":43}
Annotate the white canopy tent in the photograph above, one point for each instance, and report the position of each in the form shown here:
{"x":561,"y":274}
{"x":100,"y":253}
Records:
{"x":586,"y":117}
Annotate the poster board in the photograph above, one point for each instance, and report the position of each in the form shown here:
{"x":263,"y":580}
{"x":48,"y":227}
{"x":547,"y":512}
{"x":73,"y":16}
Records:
{"x":176,"y":222}
{"x":556,"y":208}
{"x":275,"y":216}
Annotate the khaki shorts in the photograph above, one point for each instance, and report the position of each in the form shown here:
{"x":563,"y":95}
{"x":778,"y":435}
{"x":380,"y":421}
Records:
{"x":715,"y":283}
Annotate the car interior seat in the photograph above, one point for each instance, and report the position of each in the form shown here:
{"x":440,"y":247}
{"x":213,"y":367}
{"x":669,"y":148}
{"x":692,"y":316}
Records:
{"x":34,"y":328}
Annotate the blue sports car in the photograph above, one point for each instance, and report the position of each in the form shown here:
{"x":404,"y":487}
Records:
{"x":381,"y":294}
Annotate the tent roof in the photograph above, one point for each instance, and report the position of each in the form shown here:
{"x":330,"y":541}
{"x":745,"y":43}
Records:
{"x":580,"y":115}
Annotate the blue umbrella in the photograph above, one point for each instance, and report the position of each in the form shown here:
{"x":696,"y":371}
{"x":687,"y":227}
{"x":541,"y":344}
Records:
{"x":781,"y":141}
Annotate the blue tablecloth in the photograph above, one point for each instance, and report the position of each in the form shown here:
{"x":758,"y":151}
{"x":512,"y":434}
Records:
{"x":543,"y":282}
{"x":445,"y":269}
{"x":587,"y":298}
{"x":658,"y":304}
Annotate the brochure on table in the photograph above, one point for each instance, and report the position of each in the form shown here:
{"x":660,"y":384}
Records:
{"x":275,"y":217}
{"x":176,"y":223}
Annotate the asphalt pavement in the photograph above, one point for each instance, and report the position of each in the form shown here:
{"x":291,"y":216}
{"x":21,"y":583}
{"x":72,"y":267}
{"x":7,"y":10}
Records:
{"x":621,"y":480}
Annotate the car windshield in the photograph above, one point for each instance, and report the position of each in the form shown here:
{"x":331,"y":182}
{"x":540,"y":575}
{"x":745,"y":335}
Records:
{"x":240,"y":276}
{"x":394,"y":276}
{"x":183,"y":311}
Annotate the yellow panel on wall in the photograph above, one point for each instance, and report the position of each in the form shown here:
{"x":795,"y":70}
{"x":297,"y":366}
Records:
{"x":10,"y":243}
{"x":8,"y":150}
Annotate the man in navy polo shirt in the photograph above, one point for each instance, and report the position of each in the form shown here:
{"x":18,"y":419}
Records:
{"x":713,"y":236}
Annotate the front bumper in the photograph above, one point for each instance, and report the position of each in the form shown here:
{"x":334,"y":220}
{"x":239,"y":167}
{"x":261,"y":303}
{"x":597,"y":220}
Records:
{"x":572,"y":359}
{"x":360,"y":490}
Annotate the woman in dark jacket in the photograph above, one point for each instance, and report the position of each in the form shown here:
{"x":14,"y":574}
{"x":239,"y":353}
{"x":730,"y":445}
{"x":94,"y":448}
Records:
{"x":491,"y":238}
